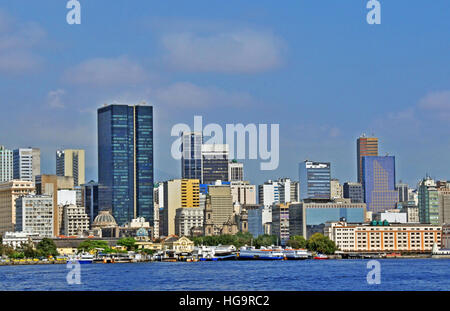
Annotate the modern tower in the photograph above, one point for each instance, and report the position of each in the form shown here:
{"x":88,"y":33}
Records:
{"x":6,"y":164}
{"x":71,"y":162}
{"x":215,"y":163}
{"x":379,"y":183}
{"x":315,"y":179}
{"x":191,"y":155}
{"x":365,"y":146}
{"x":125,"y":161}
{"x":27,"y":163}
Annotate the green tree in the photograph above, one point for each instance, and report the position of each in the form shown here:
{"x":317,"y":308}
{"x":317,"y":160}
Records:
{"x":89,"y":245}
{"x":321,"y":244}
{"x":129,"y":243}
{"x":297,"y":241}
{"x":47,"y":247}
{"x":265,"y":240}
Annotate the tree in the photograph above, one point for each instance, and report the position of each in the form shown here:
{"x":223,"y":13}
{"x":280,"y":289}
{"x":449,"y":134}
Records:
{"x":265,"y":240}
{"x":297,"y":241}
{"x":47,"y":247}
{"x":128,"y":243}
{"x":89,"y":245}
{"x":321,"y":244}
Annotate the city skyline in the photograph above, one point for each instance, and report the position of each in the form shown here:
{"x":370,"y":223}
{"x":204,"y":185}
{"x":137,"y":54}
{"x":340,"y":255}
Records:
{"x":374,"y":83}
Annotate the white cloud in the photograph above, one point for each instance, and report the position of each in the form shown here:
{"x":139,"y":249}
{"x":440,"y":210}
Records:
{"x":17,"y":41}
{"x":229,"y":52}
{"x":188,"y":95}
{"x":54,"y":98}
{"x":436,"y":101}
{"x":106,"y":72}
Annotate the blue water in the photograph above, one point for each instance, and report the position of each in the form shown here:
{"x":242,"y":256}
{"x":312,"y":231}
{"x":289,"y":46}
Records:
{"x":335,"y":275}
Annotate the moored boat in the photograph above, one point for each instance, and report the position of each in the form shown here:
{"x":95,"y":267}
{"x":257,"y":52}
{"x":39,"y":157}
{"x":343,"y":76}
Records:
{"x":251,"y":253}
{"x":321,"y":257}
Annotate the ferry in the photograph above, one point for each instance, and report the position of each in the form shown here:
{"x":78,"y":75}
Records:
{"x":321,"y":257}
{"x":296,"y":254}
{"x":81,"y":259}
{"x":246,"y":253}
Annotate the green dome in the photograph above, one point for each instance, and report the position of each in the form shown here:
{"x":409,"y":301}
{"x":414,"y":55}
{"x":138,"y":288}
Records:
{"x":142,"y":232}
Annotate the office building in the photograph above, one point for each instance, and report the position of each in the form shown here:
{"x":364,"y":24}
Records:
{"x":90,"y":199}
{"x":411,"y":210}
{"x":315,"y":179}
{"x":50,"y":185}
{"x":26,"y":163}
{"x":191,"y":155}
{"x":221,"y":203}
{"x":188,"y":218}
{"x":428,"y":202}
{"x":365,"y":146}
{"x":255,"y":219}
{"x":268,"y":193}
{"x":178,"y":193}
{"x":235,"y":171}
{"x":394,"y":216}
{"x":444,"y":203}
{"x":382,"y":237}
{"x":243,"y":193}
{"x":289,"y":190}
{"x":75,"y":220}
{"x":6,"y":165}
{"x":9,"y":192}
{"x":71,"y":162}
{"x":34,"y":215}
{"x":379,"y":183}
{"x":280,"y":222}
{"x":403,"y":192}
{"x":309,"y":217}
{"x":215,"y":163}
{"x":336,"y":190}
{"x":354,"y":192}
{"x":125,"y":161}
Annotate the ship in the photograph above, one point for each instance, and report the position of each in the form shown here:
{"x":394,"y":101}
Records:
{"x":321,"y":257}
{"x":81,"y":259}
{"x":251,"y":253}
{"x":296,"y":254}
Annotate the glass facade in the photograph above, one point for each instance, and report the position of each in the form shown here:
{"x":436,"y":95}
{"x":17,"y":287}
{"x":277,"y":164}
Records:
{"x":354,"y":192}
{"x":125,"y":161}
{"x":379,"y":183}
{"x":215,"y":163}
{"x":191,"y":160}
{"x":315,"y":178}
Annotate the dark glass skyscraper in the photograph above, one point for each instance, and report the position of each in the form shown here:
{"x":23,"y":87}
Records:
{"x":379,"y":183}
{"x":191,"y":160}
{"x":315,"y":179}
{"x":125,"y":161}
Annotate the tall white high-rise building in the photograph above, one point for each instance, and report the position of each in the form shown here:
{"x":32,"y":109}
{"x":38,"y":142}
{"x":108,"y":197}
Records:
{"x":269,"y":193}
{"x":26,"y":163}
{"x":6,"y":164}
{"x":289,"y":190}
{"x":235,"y":171}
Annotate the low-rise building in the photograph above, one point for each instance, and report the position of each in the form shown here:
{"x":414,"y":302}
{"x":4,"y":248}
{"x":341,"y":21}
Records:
{"x":178,"y":245}
{"x":378,"y":236}
{"x":188,"y":218}
{"x":17,"y":239}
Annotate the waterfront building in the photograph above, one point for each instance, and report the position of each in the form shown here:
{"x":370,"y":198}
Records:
{"x":188,"y":218}
{"x":191,"y":155}
{"x":178,"y":193}
{"x":50,"y":185}
{"x":428,"y":202}
{"x":365,"y":146}
{"x":75,"y":220}
{"x":18,"y":239}
{"x":6,"y":164}
{"x":336,"y":190}
{"x":315,"y":179}
{"x":379,"y":183}
{"x":383,"y":237}
{"x":354,"y":192}
{"x":235,"y":171}
{"x":215,"y":163}
{"x":178,"y":245}
{"x":255,"y":219}
{"x":9,"y":192}
{"x":243,"y":193}
{"x":34,"y":214}
{"x":71,"y":162}
{"x":26,"y":163}
{"x":310,"y":216}
{"x":280,"y":222}
{"x":125,"y":161}
{"x":90,"y":199}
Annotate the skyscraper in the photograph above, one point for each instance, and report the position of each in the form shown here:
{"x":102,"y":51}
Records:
{"x":125,"y":161}
{"x":27,"y":163}
{"x":235,"y":171}
{"x":315,"y":179}
{"x":365,"y":146}
{"x":379,"y":183}
{"x":428,"y":202}
{"x":354,"y":192}
{"x":191,"y":155}
{"x":70,"y":162}
{"x":215,"y":163}
{"x":6,"y":164}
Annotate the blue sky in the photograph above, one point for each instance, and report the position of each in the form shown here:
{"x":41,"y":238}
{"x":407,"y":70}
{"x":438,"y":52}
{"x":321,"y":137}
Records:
{"x":314,"y":67}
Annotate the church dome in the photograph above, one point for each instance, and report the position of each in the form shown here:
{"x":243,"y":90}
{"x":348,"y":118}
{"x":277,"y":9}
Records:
{"x":104,"y":219}
{"x":142,"y":232}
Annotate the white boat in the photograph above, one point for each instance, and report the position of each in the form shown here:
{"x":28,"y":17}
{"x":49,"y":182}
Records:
{"x":82,"y":259}
{"x":296,"y":254}
{"x":247,"y":252}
